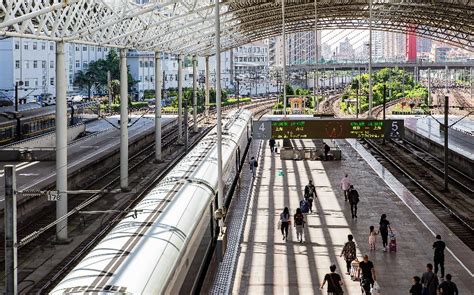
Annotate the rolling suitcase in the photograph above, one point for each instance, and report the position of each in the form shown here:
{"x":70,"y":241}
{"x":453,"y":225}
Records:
{"x":392,"y":246}
{"x":354,"y":269}
{"x":304,"y":206}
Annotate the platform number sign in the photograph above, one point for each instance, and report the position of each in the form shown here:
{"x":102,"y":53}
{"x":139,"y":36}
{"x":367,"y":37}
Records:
{"x":395,"y":129}
{"x":262,"y":129}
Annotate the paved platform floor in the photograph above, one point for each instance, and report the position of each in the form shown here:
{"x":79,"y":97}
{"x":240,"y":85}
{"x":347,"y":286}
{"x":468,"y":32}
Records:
{"x":269,"y":265}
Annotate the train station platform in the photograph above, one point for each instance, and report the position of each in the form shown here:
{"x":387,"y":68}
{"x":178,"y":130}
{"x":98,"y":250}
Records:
{"x":461,"y":135}
{"x":266,"y":264}
{"x":103,"y":139}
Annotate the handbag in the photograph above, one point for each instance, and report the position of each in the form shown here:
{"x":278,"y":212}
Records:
{"x":338,"y":287}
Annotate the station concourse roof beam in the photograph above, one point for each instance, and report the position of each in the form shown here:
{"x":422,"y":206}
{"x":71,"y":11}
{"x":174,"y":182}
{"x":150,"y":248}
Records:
{"x":188,"y":26}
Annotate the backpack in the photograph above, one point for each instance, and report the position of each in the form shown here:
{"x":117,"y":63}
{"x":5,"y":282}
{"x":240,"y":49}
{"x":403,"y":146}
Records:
{"x":255,"y":164}
{"x":304,"y":206}
{"x":299,"y":219}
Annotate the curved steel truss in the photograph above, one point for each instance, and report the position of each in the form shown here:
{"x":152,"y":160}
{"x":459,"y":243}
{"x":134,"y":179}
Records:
{"x":188,"y":26}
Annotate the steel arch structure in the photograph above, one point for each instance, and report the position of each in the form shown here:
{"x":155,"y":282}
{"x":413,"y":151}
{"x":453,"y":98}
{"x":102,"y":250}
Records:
{"x":187,"y":26}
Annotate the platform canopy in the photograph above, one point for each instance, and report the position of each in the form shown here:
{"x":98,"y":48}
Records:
{"x":188,"y":26}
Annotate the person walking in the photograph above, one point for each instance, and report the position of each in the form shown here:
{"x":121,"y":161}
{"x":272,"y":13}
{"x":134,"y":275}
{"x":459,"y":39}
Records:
{"x":372,"y":238}
{"x":448,"y":287}
{"x":334,"y":282}
{"x":285,"y":222}
{"x":383,"y":229}
{"x":253,"y":166}
{"x":416,"y":288}
{"x":353,"y":197}
{"x":272,"y":145}
{"x":310,"y":194}
{"x":349,"y":252}
{"x":299,"y":224}
{"x":326,"y":151}
{"x":366,"y":274}
{"x":345,"y":185}
{"x":429,"y":281}
{"x":439,"y":247}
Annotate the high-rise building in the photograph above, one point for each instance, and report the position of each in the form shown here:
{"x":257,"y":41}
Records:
{"x":423,"y":44}
{"x":301,"y":49}
{"x":346,"y":50}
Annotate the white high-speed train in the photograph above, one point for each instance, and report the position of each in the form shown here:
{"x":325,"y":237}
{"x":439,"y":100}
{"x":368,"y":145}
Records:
{"x":163,"y":249}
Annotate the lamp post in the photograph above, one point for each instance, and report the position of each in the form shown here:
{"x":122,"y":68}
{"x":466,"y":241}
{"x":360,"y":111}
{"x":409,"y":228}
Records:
{"x":237,"y":91}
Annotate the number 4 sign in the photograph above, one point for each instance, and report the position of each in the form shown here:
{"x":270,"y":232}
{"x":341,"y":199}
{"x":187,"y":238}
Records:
{"x":262,"y":129}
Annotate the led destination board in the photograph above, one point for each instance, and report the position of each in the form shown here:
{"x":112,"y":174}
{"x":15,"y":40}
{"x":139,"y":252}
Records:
{"x":308,"y":129}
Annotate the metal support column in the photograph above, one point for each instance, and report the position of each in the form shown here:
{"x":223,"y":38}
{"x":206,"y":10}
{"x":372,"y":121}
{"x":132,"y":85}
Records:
{"x":61,"y":142}
{"x":109,"y":87}
{"x":195,"y":124}
{"x":471,"y":79}
{"x":370,"y":60}
{"x":283,"y":37}
{"x":220,"y":183}
{"x":446,"y":81}
{"x":446,"y":143}
{"x":429,"y":88}
{"x":158,"y":78}
{"x":180,"y":99}
{"x":123,"y":120}
{"x":206,"y":95}
{"x":11,"y":274}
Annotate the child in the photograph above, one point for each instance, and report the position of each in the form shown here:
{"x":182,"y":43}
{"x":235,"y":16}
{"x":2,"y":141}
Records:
{"x":416,"y":287}
{"x":372,"y":238}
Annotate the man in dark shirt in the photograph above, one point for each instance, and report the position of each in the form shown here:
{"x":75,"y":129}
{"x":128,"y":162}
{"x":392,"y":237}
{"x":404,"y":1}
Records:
{"x":366,"y":267}
{"x":334,"y":281}
{"x":353,"y":200}
{"x":326,"y":151}
{"x":447,"y":287}
{"x":439,"y":247}
{"x":309,"y":194}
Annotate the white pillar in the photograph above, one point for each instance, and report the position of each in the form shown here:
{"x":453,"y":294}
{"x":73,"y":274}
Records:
{"x":195,"y":73}
{"x":123,"y":120}
{"x":471,"y":79}
{"x":158,"y":78}
{"x":315,"y":84}
{"x":283,"y":37}
{"x":206,"y":98}
{"x":61,"y":142}
{"x":220,"y":187}
{"x":180,"y":98}
{"x":429,"y":87}
{"x":370,"y":60}
{"x":446,"y":81}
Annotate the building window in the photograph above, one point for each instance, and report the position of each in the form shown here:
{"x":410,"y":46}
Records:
{"x":152,"y":64}
{"x":84,"y":48}
{"x":17,"y":45}
{"x":43,"y":45}
{"x":51,"y":81}
{"x":84,"y":65}
{"x":141,"y":64}
{"x":27,"y":83}
{"x":51,"y":64}
{"x":25,"y":45}
{"x":51,"y":46}
{"x":35,"y":64}
{"x":35,"y":45}
{"x":77,"y":48}
{"x":43,"y":64}
{"x":78,"y":64}
{"x":17,"y":64}
{"x":99,"y":49}
{"x":36,"y":82}
{"x":146,"y":64}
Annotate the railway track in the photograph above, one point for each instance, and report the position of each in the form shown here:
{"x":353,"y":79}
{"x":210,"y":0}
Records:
{"x":453,"y":208}
{"x":378,"y":110}
{"x":40,"y":230}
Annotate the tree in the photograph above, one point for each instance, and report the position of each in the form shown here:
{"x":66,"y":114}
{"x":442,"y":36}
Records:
{"x":84,"y":80}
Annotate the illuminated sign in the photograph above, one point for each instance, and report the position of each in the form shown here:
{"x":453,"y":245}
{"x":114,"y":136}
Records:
{"x":331,"y":128}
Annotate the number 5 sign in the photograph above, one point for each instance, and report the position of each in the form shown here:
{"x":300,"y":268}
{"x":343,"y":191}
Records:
{"x":262,"y":129}
{"x":394,"y":128}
